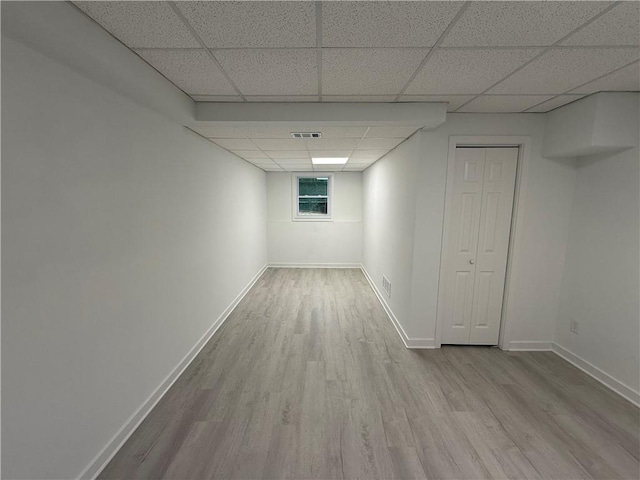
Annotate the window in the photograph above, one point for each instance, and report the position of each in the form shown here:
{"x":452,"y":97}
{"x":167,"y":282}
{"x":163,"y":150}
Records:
{"x":312,"y":200}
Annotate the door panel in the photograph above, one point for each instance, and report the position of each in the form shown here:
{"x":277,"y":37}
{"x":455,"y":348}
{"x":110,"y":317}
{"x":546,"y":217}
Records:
{"x":465,"y":214}
{"x":476,"y":247}
{"x":493,"y":244}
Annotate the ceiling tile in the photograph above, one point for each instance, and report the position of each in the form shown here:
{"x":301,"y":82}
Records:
{"x":561,"y":69}
{"x":359,"y":161}
{"x":379,"y":143}
{"x":267,"y":132}
{"x":252,"y":24}
{"x":282,"y":98}
{"x":261,"y":162}
{"x":467,"y":71}
{"x":272,"y":169}
{"x":367,"y":154}
{"x":339,"y":131}
{"x":354,"y":168}
{"x":285,"y":131}
{"x":191,"y":70}
{"x":298,"y":168}
{"x":235,"y":143}
{"x":211,"y":131}
{"x":141,"y":24}
{"x":217,"y":98}
{"x":368,"y":71}
{"x":279,"y":154}
{"x":249,"y":154}
{"x":555,"y":102}
{"x":327,"y":168}
{"x":293,"y":161}
{"x":503,"y":103}
{"x":271,"y":72}
{"x":626,"y":79}
{"x":619,"y":26}
{"x":519,"y":23}
{"x":280,"y":143}
{"x":454,"y":101}
{"x":331,"y":143}
{"x":358,"y":98}
{"x":385,"y":24}
{"x":391,"y":132}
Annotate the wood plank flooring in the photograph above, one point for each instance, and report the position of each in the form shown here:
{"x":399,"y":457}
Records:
{"x":308,"y":379}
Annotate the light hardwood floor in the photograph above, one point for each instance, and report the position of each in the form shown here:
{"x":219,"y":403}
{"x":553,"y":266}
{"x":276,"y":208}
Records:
{"x":308,"y":379}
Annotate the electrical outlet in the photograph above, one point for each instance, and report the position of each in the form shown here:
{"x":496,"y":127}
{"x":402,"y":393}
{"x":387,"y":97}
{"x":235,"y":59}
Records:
{"x":573,"y":326}
{"x":386,"y":285}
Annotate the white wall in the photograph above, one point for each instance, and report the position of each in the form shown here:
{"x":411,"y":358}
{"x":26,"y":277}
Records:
{"x":389,"y":221}
{"x":410,"y":183}
{"x":601,"y":279}
{"x":338,"y":242}
{"x":124,"y":238}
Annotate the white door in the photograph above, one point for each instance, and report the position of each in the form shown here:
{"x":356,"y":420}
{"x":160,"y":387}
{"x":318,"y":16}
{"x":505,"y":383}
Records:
{"x":477,"y":243}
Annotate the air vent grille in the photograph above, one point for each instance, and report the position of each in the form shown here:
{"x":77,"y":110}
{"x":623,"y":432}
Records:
{"x":306,"y":134}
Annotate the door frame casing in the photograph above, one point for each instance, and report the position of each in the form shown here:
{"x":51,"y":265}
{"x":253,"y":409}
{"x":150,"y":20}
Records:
{"x":523,"y":143}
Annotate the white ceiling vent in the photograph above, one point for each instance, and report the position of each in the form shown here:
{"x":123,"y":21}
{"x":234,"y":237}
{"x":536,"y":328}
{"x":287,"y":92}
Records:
{"x":306,"y":134}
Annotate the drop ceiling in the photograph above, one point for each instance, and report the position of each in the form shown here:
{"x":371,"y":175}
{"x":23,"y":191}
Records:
{"x":479,"y":57}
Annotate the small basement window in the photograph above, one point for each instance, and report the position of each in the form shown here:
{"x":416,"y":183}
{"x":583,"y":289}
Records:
{"x":312,"y":197}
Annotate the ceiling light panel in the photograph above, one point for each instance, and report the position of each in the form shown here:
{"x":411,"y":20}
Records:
{"x":562,"y":69}
{"x":252,"y":24}
{"x":467,"y":71}
{"x":271,"y":72}
{"x":503,"y":103}
{"x":555,"y":102}
{"x":141,"y":24}
{"x":329,"y":160}
{"x":619,"y":26}
{"x":368,"y":71}
{"x":191,"y":70}
{"x":519,"y":23}
{"x":330,"y":153}
{"x":626,"y":79}
{"x":385,"y":24}
{"x":453,"y":101}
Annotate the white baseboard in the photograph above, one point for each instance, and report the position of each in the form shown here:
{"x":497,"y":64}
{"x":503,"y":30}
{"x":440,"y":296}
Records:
{"x":111,"y":448}
{"x":408,"y":342}
{"x":594,"y":372}
{"x":535,"y":346}
{"x":313,"y":265}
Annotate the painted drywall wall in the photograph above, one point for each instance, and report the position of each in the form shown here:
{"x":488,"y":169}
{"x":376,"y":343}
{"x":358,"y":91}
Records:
{"x":337,"y":242}
{"x":592,"y":125}
{"x":124,"y":238}
{"x":602,"y":269}
{"x":389,"y":218}
{"x":410,"y":183}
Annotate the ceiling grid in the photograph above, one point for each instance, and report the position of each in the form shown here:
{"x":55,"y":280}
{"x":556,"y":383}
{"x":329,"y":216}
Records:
{"x":484,"y":57}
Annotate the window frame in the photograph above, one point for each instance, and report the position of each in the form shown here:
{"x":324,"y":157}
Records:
{"x":311,"y":217}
